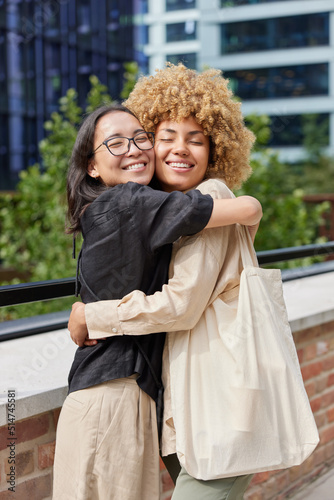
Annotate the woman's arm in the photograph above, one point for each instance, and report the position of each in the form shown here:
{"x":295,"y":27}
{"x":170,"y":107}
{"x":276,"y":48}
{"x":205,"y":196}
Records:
{"x":178,"y":306}
{"x":167,"y":216}
{"x":244,"y":210}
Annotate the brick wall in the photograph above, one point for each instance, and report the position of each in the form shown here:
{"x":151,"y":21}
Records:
{"x":315,"y":347}
{"x":33,"y":453}
{"x":34,"y":446}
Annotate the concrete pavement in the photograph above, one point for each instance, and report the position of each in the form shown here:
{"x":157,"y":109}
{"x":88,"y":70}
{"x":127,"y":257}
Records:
{"x":321,"y":489}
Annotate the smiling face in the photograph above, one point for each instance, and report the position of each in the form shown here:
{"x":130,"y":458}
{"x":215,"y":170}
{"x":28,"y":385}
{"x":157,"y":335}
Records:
{"x":182,"y":154}
{"x":135,"y":165}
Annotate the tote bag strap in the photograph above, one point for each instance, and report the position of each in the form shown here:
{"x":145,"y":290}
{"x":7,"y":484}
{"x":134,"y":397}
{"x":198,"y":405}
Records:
{"x":248,"y":255}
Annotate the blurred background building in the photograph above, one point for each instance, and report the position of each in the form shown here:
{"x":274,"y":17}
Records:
{"x":47,"y":47}
{"x":278,"y":54}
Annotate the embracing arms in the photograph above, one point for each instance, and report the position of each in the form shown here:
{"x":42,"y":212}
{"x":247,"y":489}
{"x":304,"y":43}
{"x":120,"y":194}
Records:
{"x":197,"y":264}
{"x":178,"y":306}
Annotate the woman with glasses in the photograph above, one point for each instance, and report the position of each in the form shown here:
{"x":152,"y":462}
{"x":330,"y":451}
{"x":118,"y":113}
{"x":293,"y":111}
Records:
{"x":107,"y":438}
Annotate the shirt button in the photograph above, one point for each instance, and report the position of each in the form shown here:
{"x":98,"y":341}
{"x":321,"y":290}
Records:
{"x":114,"y":330}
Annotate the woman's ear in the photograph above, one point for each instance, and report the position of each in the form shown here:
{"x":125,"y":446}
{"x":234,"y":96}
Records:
{"x":91,"y":170}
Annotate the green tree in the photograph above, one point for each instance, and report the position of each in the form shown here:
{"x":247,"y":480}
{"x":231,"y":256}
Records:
{"x":287,"y":220}
{"x":316,"y":170}
{"x":130,"y":77}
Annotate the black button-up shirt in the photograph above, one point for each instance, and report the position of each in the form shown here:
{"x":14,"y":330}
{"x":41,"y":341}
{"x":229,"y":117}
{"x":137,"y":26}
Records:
{"x":128,"y":233}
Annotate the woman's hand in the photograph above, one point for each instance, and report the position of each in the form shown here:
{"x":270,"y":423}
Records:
{"x":78,"y":327}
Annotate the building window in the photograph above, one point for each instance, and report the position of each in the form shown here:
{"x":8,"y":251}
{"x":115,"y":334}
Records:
{"x":15,"y":75}
{"x":179,"y":32}
{"x":83,"y":87}
{"x":84,"y":16}
{"x":52,"y":56}
{"x":52,"y":92}
{"x":141,"y":7}
{"x":3,"y":76}
{"x":2,"y":14}
{"x":235,"y":3}
{"x":5,"y":181}
{"x":31,"y":156}
{"x":287,"y":81}
{"x":16,"y":143}
{"x":180,"y":4}
{"x":52,"y":76}
{"x":52,"y":20}
{"x":113,"y":37}
{"x":120,"y":30}
{"x":115,"y":80}
{"x":141,"y":35}
{"x":309,"y":30}
{"x":47,"y":47}
{"x":288,"y":130}
{"x":3,"y":94}
{"x":84,"y":44}
{"x":30,"y":59}
{"x":14,"y":11}
{"x":189,"y":60}
{"x":31,"y":95}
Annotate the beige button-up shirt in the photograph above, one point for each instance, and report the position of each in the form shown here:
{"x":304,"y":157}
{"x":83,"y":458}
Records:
{"x":202,"y":267}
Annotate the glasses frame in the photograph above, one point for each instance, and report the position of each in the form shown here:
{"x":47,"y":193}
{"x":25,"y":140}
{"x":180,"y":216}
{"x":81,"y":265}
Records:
{"x":133,"y":139}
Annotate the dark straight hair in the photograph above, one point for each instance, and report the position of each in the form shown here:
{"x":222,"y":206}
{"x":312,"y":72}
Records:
{"x":82,"y":189}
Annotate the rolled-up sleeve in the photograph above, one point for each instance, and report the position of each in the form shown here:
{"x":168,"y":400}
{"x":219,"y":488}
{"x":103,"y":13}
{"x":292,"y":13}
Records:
{"x":161,"y":218}
{"x":177,"y":307}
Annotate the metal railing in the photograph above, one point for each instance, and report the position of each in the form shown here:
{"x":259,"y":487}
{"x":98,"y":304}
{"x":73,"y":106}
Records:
{"x":46,"y":290}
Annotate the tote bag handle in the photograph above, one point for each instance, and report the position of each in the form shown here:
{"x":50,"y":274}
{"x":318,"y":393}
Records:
{"x":248,"y":255}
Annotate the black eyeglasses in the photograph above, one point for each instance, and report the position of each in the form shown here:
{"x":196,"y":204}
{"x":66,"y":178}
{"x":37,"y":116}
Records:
{"x":119,"y":146}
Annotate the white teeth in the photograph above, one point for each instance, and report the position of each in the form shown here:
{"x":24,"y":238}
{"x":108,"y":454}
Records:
{"x":180,"y":165}
{"x":135,"y":167}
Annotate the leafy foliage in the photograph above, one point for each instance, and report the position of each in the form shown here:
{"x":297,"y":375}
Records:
{"x":131,"y":76}
{"x":98,"y":95}
{"x":316,"y":170}
{"x":287,"y":220}
{"x":33,"y":236}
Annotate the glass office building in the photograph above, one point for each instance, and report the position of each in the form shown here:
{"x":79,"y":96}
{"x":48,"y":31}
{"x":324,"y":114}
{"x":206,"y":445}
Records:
{"x":278,"y":55}
{"x":47,"y":47}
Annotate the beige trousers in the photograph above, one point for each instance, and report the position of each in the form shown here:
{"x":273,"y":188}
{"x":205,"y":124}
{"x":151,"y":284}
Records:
{"x":107,"y":444}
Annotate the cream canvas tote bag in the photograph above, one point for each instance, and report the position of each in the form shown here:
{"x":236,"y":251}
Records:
{"x":238,"y":399}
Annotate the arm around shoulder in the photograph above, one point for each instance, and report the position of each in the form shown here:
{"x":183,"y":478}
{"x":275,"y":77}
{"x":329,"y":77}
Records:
{"x":228,"y":209}
{"x":244,"y":210}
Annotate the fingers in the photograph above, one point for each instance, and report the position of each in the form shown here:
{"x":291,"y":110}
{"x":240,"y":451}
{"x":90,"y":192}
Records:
{"x":87,"y":342}
{"x":90,"y":342}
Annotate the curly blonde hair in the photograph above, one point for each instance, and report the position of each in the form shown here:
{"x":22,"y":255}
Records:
{"x":176,"y":92}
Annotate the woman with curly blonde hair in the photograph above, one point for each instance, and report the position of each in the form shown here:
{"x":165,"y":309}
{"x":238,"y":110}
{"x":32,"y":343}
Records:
{"x":199,"y":134}
{"x":175,"y":93}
